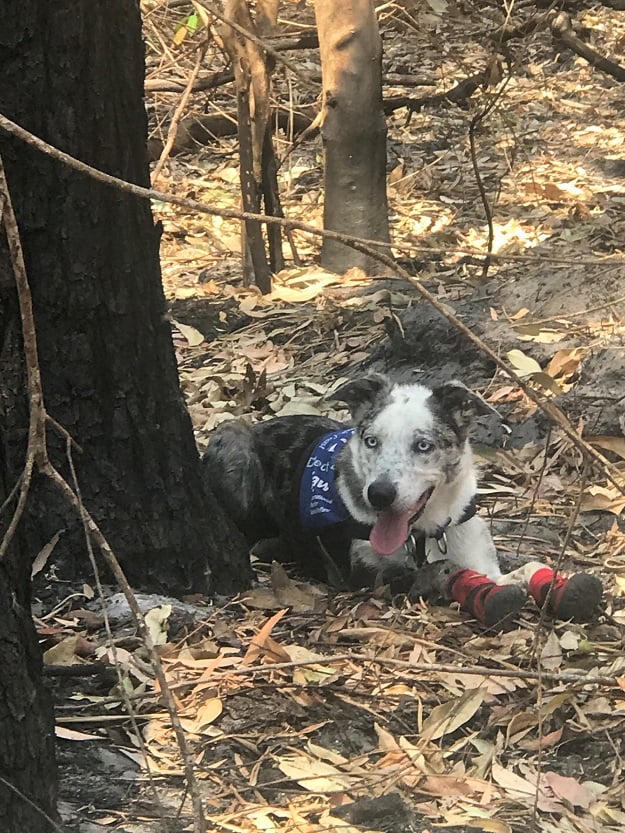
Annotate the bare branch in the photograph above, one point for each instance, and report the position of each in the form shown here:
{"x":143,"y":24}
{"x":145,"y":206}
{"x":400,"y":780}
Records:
{"x":177,"y":116}
{"x":610,"y":471}
{"x":37,"y":459}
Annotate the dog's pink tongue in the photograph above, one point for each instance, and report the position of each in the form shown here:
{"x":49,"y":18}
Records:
{"x":390,"y":531}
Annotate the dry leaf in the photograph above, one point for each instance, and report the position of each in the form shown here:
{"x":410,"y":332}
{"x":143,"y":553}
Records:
{"x":539,"y":334}
{"x":564,"y":363}
{"x":73,"y":734}
{"x":64,"y":653}
{"x":489,"y":825}
{"x":41,"y":559}
{"x":156,"y":621}
{"x":315,"y":672}
{"x":449,"y":716}
{"x":446,"y":785}
{"x":569,"y":790}
{"x":208,"y":712}
{"x":620,"y":584}
{"x":180,"y":34}
{"x":299,"y":597}
{"x":546,"y":382}
{"x":542,"y":742}
{"x":386,"y":741}
{"x":248,"y":303}
{"x":314,"y":775}
{"x":523,"y":364}
{"x":193,"y":336}
{"x":615,"y":444}
{"x":569,"y":641}
{"x":262,"y":598}
{"x":263,"y":644}
{"x":324,"y":754}
{"x":523,"y":790}
{"x":602,"y":499}
{"x":551,"y":654}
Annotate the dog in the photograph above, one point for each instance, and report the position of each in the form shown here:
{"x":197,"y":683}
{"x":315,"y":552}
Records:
{"x":381,"y":499}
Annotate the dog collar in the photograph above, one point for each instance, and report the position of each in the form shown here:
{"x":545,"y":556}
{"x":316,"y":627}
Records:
{"x":469,"y":511}
{"x":415,"y":545}
{"x":320,"y":504}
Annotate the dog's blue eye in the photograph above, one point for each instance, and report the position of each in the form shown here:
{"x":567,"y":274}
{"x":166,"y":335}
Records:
{"x":370,"y":441}
{"x":423,"y":445}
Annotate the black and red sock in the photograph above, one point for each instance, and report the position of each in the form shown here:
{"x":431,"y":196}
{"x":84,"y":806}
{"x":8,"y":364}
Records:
{"x":575,"y":598}
{"x":491,"y":604}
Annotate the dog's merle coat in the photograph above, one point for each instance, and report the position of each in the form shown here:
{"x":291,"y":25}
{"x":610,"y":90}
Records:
{"x":406,"y":470}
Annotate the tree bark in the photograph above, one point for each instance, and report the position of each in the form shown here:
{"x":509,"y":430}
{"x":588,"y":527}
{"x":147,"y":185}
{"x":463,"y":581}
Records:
{"x":27,"y":760}
{"x":353,"y":130}
{"x":248,"y":69}
{"x":72,"y":73}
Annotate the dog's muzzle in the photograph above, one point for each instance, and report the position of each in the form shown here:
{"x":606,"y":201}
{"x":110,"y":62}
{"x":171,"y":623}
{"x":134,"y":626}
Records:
{"x":392,"y":526}
{"x":421,"y":504}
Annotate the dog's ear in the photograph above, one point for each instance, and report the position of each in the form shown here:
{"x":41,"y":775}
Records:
{"x":360,"y":394}
{"x":458,"y":406}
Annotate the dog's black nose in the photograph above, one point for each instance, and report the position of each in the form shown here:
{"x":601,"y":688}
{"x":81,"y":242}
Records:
{"x":381,"y":494}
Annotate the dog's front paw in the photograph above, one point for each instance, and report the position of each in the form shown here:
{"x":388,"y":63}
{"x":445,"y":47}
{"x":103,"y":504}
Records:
{"x":577,"y":598}
{"x":494,"y":605}
{"x":426,"y":582}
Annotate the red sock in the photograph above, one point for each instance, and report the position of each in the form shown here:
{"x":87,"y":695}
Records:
{"x":490,"y":603}
{"x":539,"y":584}
{"x":576,"y":598}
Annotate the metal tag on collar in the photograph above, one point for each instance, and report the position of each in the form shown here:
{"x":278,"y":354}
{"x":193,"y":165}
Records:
{"x":441,"y":543}
{"x":411,"y":545}
{"x":415,"y":549}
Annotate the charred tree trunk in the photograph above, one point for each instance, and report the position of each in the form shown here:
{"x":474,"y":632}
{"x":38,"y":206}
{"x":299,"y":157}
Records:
{"x":72,"y":73}
{"x":353,"y":130}
{"x":26,"y":721}
{"x":107,"y":361}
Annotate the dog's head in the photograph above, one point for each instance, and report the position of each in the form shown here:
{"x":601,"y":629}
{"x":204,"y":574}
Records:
{"x":410,"y":441}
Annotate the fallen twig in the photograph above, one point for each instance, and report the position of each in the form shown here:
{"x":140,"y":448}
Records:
{"x":562,"y":31}
{"x":573,"y":677}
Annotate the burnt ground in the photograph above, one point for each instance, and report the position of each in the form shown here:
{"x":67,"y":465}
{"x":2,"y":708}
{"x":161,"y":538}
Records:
{"x":356,"y":725}
{"x":349,"y":712}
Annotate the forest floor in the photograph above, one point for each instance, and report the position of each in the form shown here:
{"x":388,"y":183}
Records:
{"x":308,"y":710}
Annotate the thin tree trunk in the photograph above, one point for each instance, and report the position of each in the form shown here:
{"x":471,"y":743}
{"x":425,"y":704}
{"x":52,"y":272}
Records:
{"x":266,"y":21}
{"x":252,"y":75}
{"x":353,"y":129}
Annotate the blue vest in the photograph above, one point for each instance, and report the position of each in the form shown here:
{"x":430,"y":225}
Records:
{"x":320,"y":504}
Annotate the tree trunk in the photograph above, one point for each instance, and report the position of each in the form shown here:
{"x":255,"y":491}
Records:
{"x":353,"y":130}
{"x":27,"y":747}
{"x":258,"y":166}
{"x":72,"y":73}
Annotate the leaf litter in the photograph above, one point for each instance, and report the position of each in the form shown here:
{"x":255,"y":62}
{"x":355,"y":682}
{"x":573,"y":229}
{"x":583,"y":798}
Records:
{"x":301,"y":705}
